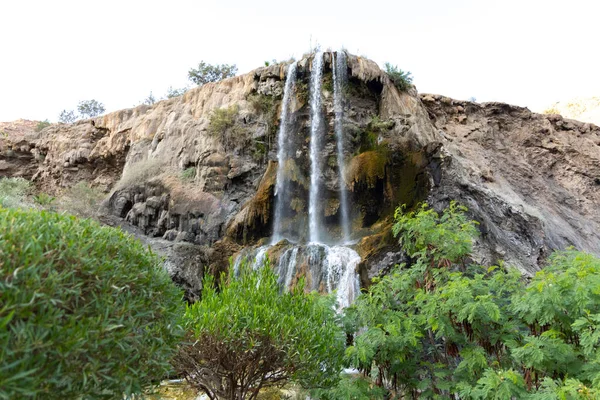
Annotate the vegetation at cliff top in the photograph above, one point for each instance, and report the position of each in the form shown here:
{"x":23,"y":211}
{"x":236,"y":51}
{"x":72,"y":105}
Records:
{"x":401,"y":79}
{"x":86,"y":311}
{"x":86,"y":108}
{"x":41,"y":125}
{"x":206,"y":73}
{"x":249,"y":335}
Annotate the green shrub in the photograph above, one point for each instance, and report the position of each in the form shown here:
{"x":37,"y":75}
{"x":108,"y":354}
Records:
{"x":140,"y":172}
{"x":188,"y":174}
{"x":43,"y":199}
{"x":249,"y":335}
{"x":401,"y":79}
{"x":441,"y":328}
{"x":41,"y":125}
{"x":13,"y":192}
{"x":82,"y":200}
{"x":206,"y":73}
{"x":221,"y":119}
{"x":175,"y":92}
{"x":86,"y":311}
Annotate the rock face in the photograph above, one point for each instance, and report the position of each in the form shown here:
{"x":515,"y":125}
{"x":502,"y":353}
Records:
{"x":531,"y":180}
{"x":194,"y":176}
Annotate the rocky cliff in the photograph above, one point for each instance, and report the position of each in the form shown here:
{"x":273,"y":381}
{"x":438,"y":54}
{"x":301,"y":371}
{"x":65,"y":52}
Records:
{"x":194,"y":175}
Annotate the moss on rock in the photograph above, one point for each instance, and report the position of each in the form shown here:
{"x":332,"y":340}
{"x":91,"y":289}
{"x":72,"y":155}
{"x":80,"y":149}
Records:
{"x":367,"y":168}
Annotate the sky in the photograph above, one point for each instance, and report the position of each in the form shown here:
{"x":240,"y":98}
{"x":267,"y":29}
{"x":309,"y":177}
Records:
{"x":54,"y":54}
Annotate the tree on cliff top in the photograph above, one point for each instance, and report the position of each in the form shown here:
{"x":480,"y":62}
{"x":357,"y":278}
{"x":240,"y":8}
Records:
{"x":206,"y":73}
{"x":249,"y":336}
{"x":90,"y":108}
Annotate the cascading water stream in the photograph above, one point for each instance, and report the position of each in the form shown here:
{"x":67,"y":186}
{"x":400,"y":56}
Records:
{"x":331,"y":268}
{"x":283,"y":152}
{"x":315,"y":147}
{"x":340,"y":77}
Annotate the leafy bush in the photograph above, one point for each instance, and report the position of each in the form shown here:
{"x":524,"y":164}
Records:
{"x":90,"y":108}
{"x":13,"y":192}
{"x":41,"y":125}
{"x":441,"y":328}
{"x":173,"y":92}
{"x":249,"y":335}
{"x":221,"y":119}
{"x":149,"y":100}
{"x":139,"y":172}
{"x":222,"y":124}
{"x":401,"y":79}
{"x":86,"y":311}
{"x":43,"y":199}
{"x":82,"y":200}
{"x":188,"y":174}
{"x":206,"y":73}
{"x":67,"y":117}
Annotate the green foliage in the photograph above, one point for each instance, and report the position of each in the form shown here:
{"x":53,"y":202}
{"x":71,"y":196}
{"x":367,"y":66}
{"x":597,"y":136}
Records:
{"x":174,"y":92}
{"x":401,"y":79}
{"x":188,"y":174}
{"x":250,"y":335}
{"x":139,"y":172}
{"x":41,"y":125}
{"x":67,"y":117}
{"x":82,"y":200}
{"x":441,"y":328}
{"x":149,"y":100}
{"x":369,"y":138}
{"x":43,"y":199}
{"x":427,"y":235}
{"x":222,"y":119}
{"x":90,"y":108}
{"x":86,"y":311}
{"x":13,"y":192}
{"x":206,"y":73}
{"x":351,"y":388}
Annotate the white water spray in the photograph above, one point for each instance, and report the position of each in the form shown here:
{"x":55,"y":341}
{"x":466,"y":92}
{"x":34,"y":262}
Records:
{"x":315,"y":147}
{"x":340,"y":77}
{"x":283,"y":152}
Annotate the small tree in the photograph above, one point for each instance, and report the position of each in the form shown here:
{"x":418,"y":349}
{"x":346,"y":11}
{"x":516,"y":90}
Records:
{"x":249,"y":336}
{"x":206,"y":73}
{"x":41,"y":125}
{"x":401,"y":79}
{"x":90,"y":108}
{"x":86,"y":311}
{"x":150,"y":99}
{"x":173,"y":92}
{"x":67,"y":117}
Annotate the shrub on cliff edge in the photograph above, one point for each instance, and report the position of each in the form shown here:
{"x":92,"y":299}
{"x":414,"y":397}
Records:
{"x":85,"y":311}
{"x":401,"y":79}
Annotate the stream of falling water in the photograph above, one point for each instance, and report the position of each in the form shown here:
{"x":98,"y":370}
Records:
{"x":326,"y":268}
{"x":315,"y":147}
{"x":340,"y":77}
{"x":283,"y":152}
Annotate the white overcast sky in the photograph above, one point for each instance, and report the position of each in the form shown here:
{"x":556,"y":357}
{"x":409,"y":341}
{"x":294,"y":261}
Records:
{"x":526,"y":52}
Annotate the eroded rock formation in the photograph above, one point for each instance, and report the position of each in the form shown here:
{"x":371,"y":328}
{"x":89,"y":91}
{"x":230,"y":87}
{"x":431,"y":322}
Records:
{"x":195,"y":175}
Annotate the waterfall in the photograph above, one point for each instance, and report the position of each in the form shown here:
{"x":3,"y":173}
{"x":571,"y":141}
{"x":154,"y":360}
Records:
{"x":315,"y":140}
{"x":340,"y":77}
{"x":326,"y":268}
{"x":283,"y":152}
